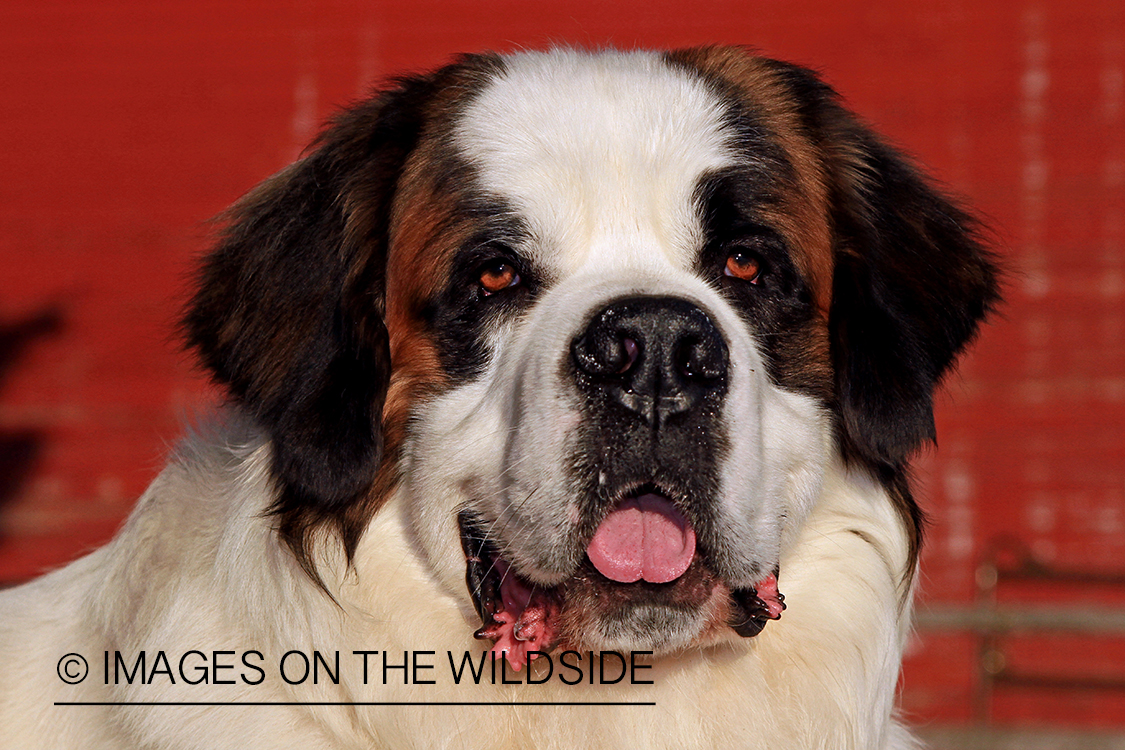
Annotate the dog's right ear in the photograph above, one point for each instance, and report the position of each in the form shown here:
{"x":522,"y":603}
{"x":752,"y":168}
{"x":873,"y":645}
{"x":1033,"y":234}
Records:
{"x":289,"y":310}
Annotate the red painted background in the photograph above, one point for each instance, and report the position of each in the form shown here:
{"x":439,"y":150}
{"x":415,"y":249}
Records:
{"x":125,"y":125}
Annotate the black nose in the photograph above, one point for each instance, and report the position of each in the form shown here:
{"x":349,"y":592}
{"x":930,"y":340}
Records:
{"x":656,"y":356}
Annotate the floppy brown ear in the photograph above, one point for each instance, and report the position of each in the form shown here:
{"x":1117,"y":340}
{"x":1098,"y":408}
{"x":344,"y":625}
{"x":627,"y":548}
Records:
{"x":912,"y":283}
{"x":288,"y":315}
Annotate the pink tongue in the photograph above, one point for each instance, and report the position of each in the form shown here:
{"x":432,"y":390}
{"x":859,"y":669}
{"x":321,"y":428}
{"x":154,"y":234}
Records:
{"x":645,"y":537}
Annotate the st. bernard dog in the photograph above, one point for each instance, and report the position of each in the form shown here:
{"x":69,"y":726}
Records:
{"x":560,"y":354}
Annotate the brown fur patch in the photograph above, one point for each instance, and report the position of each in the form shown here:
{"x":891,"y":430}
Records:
{"x":425,"y":230}
{"x":803,"y":218}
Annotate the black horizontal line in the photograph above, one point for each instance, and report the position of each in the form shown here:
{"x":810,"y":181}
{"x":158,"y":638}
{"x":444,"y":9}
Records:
{"x":354,"y":703}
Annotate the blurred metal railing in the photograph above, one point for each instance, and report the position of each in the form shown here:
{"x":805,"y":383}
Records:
{"x":994,"y":621}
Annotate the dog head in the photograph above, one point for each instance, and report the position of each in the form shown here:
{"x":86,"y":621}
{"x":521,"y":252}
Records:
{"x":605,"y":318}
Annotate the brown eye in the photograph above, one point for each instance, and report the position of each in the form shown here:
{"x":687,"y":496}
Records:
{"x":743,"y":264}
{"x":497,"y":275}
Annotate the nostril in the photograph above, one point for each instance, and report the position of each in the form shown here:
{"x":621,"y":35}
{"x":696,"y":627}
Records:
{"x":632,"y":351}
{"x":686,"y":362}
{"x":603,"y":353}
{"x":700,"y":359}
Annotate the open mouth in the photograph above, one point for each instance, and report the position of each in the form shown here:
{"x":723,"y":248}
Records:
{"x":643,"y":553}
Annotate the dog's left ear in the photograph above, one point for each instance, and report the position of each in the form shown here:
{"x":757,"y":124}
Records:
{"x":912,"y":282}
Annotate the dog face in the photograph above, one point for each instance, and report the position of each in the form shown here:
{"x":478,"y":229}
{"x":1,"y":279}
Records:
{"x":604,"y":320}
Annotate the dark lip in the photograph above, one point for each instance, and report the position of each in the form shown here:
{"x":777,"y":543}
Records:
{"x":747,"y":616}
{"x":480,"y":555}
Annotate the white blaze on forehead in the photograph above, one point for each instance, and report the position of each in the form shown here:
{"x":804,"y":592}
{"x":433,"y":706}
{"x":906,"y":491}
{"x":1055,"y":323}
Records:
{"x":599,"y":153}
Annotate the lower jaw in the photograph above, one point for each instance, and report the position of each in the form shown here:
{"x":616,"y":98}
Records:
{"x":590,"y":612}
{"x":661,"y":627}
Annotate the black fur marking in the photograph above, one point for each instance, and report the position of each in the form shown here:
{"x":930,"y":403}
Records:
{"x":779,"y":308}
{"x":461,"y":315}
{"x":903,"y":307}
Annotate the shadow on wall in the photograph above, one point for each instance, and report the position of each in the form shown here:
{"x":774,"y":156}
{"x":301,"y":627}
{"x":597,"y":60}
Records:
{"x":20,"y":448}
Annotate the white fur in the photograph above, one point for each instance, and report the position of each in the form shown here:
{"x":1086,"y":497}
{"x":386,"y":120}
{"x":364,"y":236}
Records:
{"x":197,"y":567}
{"x":607,"y":193}
{"x":599,"y":154}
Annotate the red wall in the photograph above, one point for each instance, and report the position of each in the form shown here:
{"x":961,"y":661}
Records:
{"x":125,"y":125}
